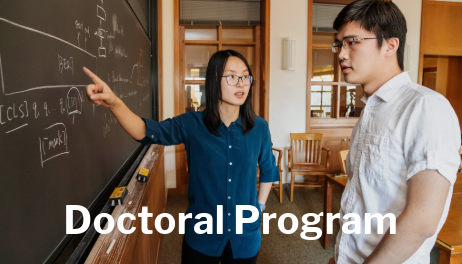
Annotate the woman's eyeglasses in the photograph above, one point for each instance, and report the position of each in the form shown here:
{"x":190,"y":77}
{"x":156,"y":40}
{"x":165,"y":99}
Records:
{"x":234,"y":79}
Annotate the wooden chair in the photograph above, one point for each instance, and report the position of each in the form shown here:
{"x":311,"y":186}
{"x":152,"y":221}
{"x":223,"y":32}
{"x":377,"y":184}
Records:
{"x":343,"y":155}
{"x":305,"y":159}
{"x":317,"y":113}
{"x":460,"y":152}
{"x":280,"y":174}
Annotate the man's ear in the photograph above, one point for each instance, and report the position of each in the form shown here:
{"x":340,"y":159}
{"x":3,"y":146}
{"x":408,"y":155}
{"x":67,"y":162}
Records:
{"x":391,"y":45}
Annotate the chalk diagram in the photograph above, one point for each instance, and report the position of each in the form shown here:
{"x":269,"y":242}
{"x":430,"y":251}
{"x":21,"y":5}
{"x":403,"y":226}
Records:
{"x":100,"y":32}
{"x":53,"y":139}
{"x":53,"y":142}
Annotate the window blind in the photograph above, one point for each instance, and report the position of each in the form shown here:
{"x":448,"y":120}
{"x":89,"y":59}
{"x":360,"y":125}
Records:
{"x":220,"y":12}
{"x":324,"y":16}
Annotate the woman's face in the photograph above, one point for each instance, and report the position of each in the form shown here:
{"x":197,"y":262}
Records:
{"x":234,"y":94}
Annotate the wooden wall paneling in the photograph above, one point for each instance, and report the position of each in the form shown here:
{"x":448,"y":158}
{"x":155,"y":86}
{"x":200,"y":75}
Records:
{"x":256,"y":72}
{"x":453,"y":92}
{"x":220,"y":38}
{"x":180,"y":157}
{"x":160,"y":68}
{"x":439,"y":19}
{"x":421,"y":66}
{"x":309,"y":68}
{"x":265,"y":12}
{"x":181,"y":69}
{"x":442,"y":75}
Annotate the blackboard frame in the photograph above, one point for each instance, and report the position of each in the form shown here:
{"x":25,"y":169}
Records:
{"x":70,"y":243}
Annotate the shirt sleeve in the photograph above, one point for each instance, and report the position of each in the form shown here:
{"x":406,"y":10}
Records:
{"x":171,"y":131}
{"x":432,"y":138}
{"x":269,"y":172}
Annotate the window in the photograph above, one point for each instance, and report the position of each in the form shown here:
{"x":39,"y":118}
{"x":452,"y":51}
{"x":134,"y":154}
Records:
{"x":199,"y":44}
{"x":331,"y":96}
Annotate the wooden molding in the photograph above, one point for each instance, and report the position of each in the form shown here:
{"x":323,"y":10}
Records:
{"x":133,"y":248}
{"x":309,"y":68}
{"x":257,"y":71}
{"x":265,"y":17}
{"x":160,"y":60}
{"x":238,"y":43}
{"x":200,"y":82}
{"x":180,"y":159}
{"x":201,"y":42}
{"x":334,"y":2}
{"x":220,"y":45}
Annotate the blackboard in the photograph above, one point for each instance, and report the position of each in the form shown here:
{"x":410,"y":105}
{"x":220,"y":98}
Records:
{"x":141,"y":10}
{"x":56,"y":148}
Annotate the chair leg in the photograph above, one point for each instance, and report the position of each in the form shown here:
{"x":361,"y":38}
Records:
{"x":292,"y":182}
{"x":280,"y":187}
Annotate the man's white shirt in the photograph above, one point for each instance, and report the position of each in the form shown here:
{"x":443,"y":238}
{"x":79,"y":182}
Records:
{"x":404,"y":128}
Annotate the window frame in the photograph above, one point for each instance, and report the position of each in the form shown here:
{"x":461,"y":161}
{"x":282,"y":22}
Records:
{"x":336,"y":120}
{"x":256,"y":71}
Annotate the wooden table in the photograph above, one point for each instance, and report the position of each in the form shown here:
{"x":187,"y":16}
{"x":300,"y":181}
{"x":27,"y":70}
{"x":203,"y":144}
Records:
{"x":450,"y":237}
{"x":330,"y":180}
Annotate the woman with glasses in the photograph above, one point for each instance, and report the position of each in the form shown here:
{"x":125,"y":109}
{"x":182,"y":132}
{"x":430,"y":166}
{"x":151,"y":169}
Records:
{"x":224,"y":144}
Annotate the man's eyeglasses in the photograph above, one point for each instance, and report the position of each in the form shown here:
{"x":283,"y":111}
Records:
{"x":346,"y":43}
{"x":234,"y":79}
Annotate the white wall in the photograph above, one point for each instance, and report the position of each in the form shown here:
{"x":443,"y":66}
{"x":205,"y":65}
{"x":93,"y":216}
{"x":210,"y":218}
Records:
{"x":412,"y":11}
{"x":168,"y":100}
{"x":289,"y":18}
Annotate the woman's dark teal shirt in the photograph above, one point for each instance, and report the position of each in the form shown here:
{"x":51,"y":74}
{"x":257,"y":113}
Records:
{"x":222,"y":171}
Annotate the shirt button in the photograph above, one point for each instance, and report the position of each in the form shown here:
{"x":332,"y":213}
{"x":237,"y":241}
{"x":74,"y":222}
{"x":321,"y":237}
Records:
{"x":230,"y":163}
{"x":152,"y":136}
{"x":229,"y":180}
{"x":230,"y":146}
{"x":229,"y":197}
{"x":229,"y":214}
{"x":229,"y":230}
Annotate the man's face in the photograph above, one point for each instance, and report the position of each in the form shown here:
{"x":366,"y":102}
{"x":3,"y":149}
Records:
{"x":360,"y":60}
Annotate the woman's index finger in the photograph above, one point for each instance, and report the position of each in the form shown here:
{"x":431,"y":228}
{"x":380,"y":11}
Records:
{"x":92,"y":76}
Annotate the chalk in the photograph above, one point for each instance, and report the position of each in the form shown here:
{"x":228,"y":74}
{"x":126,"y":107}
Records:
{"x":110,"y":246}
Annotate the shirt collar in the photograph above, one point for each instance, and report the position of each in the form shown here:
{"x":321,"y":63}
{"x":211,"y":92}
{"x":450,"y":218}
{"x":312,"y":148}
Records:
{"x":238,"y":121}
{"x":389,"y":89}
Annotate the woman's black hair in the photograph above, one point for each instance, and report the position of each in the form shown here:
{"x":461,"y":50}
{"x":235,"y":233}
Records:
{"x":213,"y":94}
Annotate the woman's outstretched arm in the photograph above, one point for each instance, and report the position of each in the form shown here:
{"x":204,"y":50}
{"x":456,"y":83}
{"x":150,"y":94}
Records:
{"x":100,"y":93}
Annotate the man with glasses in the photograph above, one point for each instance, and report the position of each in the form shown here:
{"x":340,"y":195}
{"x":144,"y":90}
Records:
{"x":403,"y":156}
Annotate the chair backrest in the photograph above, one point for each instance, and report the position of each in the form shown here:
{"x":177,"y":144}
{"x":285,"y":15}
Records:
{"x":460,"y":152}
{"x":343,"y":155}
{"x":306,"y":148}
{"x":317,"y":113}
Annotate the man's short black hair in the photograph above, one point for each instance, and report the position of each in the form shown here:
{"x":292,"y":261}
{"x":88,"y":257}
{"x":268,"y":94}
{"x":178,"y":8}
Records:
{"x":381,"y":17}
